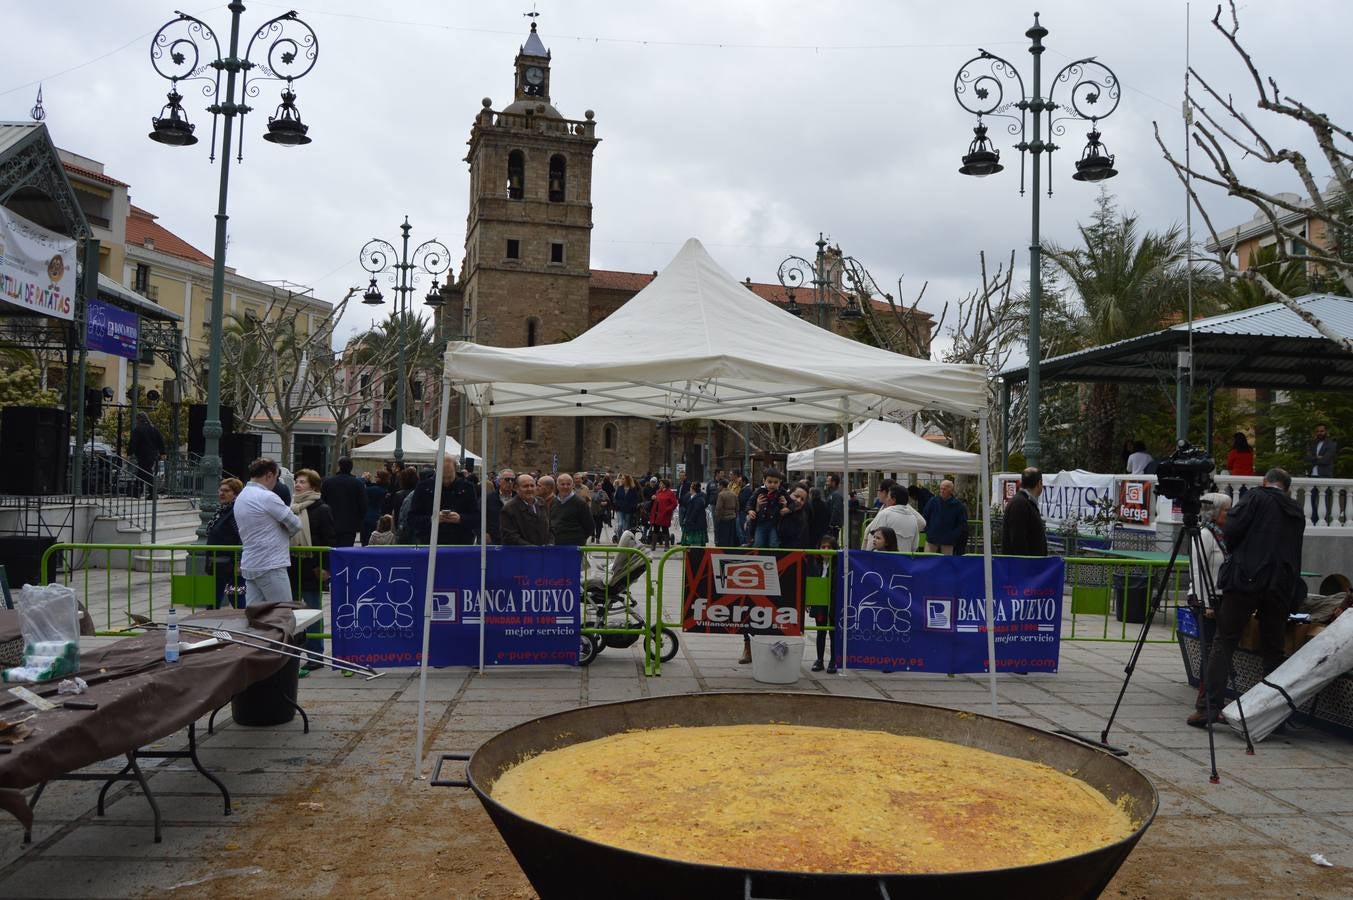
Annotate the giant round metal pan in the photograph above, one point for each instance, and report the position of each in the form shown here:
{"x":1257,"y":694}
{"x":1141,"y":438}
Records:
{"x":564,"y":865}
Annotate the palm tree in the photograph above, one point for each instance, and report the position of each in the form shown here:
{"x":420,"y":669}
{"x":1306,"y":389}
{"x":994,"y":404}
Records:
{"x":422,"y":355}
{"x":1128,"y":282}
{"x":1289,"y":277}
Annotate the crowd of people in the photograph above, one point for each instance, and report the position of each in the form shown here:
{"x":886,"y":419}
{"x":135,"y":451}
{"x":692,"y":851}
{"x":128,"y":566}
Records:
{"x":395,"y":506}
{"x":1251,"y":552}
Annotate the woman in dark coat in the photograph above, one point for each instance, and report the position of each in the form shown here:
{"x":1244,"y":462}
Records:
{"x":222,"y":531}
{"x":408,"y":481}
{"x":377,"y":490}
{"x":819,"y":517}
{"x":626,"y":504}
{"x":794,"y":525}
{"x":317,"y":530}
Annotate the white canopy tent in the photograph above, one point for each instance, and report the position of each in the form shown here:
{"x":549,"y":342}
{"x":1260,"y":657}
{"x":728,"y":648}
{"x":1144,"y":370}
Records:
{"x":734,"y":357}
{"x":884,"y":447}
{"x":418,"y":448}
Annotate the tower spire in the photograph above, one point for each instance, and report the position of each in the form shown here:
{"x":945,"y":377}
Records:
{"x":37,"y":113}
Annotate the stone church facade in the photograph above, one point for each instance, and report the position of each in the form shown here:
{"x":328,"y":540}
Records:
{"x":526,"y":279}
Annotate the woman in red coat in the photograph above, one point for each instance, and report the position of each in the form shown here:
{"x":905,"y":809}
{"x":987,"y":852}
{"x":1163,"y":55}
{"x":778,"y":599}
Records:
{"x":660,"y":515}
{"x":1240,"y":461}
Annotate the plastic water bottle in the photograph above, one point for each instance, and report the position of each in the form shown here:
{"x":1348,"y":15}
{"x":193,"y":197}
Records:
{"x":171,"y":638}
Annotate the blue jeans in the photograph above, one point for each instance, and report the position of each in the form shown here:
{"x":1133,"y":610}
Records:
{"x":622,"y":522}
{"x":767,"y":535}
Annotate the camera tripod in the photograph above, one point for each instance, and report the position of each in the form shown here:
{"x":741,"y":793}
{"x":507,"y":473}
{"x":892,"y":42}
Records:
{"x":1190,"y":536}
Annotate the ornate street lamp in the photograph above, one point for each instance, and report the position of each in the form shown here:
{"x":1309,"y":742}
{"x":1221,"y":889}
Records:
{"x":980,"y":88}
{"x":186,"y":49}
{"x":431,"y":258}
{"x":827,"y":274}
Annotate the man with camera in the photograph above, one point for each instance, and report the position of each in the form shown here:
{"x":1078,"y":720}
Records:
{"x":1263,"y":536}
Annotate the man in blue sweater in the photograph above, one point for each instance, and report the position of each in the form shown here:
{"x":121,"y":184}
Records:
{"x":946,"y":519}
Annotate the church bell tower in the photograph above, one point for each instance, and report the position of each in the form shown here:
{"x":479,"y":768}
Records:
{"x":528,"y":243}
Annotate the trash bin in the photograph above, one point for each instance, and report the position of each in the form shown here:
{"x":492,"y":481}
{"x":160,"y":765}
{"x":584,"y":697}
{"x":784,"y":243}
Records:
{"x":1130,"y":598}
{"x":270,"y":701}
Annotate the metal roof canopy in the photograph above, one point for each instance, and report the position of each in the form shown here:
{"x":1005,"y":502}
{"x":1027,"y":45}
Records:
{"x":1266,"y":346}
{"x":33,"y":182}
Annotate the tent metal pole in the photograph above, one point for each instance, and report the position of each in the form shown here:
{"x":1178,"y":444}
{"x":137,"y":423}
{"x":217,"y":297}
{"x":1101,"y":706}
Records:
{"x":985,"y":479}
{"x":846,"y":536}
{"x":483,"y":524}
{"x":438,"y":468}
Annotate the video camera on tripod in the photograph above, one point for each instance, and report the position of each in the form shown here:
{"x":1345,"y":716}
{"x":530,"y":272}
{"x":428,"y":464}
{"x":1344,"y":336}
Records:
{"x":1184,"y":476}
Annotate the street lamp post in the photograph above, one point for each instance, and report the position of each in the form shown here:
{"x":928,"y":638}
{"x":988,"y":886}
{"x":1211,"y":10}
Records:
{"x":980,"y":88}
{"x":466,"y":335}
{"x":823,"y":274}
{"x":430,"y":257}
{"x":186,"y":49}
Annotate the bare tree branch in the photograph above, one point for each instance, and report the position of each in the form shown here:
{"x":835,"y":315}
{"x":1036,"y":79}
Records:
{"x":1228,"y":125}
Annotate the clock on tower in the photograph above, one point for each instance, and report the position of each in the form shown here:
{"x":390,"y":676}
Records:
{"x":533,"y":69}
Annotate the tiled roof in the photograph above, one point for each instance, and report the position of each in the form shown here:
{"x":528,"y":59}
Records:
{"x":92,"y":175}
{"x":141,"y":225}
{"x":603,"y":279}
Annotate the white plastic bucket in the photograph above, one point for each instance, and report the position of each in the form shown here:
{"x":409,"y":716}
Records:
{"x":777,"y":659}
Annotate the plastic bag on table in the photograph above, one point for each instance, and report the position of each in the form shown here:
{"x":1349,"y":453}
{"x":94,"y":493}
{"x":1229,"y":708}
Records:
{"x":49,"y":620}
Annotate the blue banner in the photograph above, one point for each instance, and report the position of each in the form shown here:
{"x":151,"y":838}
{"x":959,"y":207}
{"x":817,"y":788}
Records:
{"x":111,"y":330}
{"x":533,"y":600}
{"x":928,"y":613}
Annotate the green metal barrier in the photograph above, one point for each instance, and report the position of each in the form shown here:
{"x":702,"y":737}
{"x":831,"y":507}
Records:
{"x":1105,"y":599}
{"x":680,"y":549}
{"x":210,"y":574}
{"x":605,"y":607}
{"x":1108,"y":598}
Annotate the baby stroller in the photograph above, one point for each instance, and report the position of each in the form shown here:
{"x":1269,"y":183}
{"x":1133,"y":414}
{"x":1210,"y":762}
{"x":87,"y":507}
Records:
{"x":609,"y":601}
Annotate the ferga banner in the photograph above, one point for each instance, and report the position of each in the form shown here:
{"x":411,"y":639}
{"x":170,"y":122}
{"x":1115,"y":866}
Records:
{"x":533,"y":612}
{"x":928,"y":613}
{"x":1134,"y":502}
{"x":37,"y":267}
{"x":1075,"y":493}
{"x":733,"y":592}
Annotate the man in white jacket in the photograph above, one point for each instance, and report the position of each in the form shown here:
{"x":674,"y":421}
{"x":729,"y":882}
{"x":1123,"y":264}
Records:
{"x":266,"y":525}
{"x":898,"y":515}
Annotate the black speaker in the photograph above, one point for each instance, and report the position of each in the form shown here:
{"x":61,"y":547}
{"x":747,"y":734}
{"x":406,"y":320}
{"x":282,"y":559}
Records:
{"x":197,"y":418}
{"x":23,"y":560}
{"x":93,"y":405}
{"x":238,"y":451}
{"x":34,"y":450}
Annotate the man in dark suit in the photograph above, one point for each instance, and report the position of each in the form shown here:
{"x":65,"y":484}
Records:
{"x":1262,"y":574}
{"x":459,"y":516}
{"x":1022,"y":529}
{"x":1320,"y":457}
{"x":570,"y":515}
{"x":524,"y":521}
{"x":146,"y":446}
{"x":345,"y":495}
{"x":507,"y":485}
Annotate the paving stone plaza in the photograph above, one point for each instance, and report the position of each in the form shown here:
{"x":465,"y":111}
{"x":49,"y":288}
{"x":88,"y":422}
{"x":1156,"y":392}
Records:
{"x":1270,"y":813}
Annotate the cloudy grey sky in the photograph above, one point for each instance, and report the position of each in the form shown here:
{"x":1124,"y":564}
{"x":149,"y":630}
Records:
{"x":750,"y":125}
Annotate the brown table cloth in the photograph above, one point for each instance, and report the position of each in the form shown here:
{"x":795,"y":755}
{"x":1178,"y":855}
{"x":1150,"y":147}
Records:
{"x":141,"y":698}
